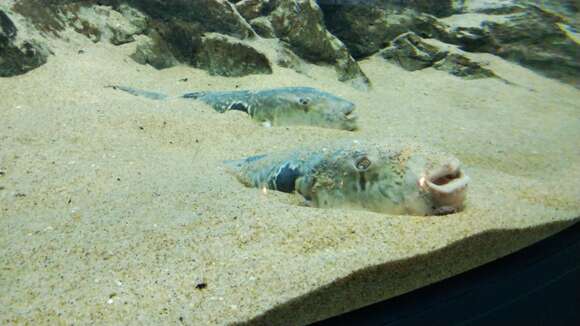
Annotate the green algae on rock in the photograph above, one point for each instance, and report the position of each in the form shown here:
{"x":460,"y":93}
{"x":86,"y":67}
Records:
{"x":18,"y":55}
{"x":412,"y":53}
{"x":226,"y":56}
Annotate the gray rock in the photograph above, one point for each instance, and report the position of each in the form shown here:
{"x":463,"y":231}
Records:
{"x":17,"y":55}
{"x":566,"y":8}
{"x":288,"y":59}
{"x":211,"y":15}
{"x":263,"y":27}
{"x":43,"y":16}
{"x":226,"y":56}
{"x":181,"y":28}
{"x":124,"y":24}
{"x":104,"y":23}
{"x":412,"y":53}
{"x":543,"y":38}
{"x":461,"y":66}
{"x":498,"y":7}
{"x":7,"y":28}
{"x":179,"y":23}
{"x":301,"y":25}
{"x":95,"y":21}
{"x":152,"y":50}
{"x":531,"y":36}
{"x":366,"y":29}
{"x":439,"y":8}
{"x":134,"y":16}
{"x":251,"y":9}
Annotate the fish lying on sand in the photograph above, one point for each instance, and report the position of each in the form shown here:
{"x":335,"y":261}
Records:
{"x":403,"y":179}
{"x":274,"y":107}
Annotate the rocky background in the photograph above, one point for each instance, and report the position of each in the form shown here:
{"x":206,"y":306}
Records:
{"x":241,"y":37}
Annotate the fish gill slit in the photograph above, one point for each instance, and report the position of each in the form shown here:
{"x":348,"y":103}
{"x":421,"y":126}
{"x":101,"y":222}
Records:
{"x":362,"y":181}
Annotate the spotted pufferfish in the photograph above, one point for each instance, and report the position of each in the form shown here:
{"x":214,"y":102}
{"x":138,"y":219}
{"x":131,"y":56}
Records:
{"x":386,"y":178}
{"x":283,"y":106}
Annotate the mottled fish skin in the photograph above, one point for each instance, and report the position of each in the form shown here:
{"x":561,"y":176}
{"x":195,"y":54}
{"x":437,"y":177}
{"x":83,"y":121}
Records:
{"x":392,"y":179}
{"x":275,"y":107}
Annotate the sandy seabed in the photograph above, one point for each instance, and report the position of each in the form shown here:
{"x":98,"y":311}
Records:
{"x":116,"y":209}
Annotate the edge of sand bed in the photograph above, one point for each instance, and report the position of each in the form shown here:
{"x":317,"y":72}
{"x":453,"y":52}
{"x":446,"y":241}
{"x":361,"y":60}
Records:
{"x":384,"y":281}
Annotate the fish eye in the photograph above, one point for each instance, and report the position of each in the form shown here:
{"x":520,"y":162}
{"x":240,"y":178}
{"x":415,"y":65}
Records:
{"x":304,"y":101}
{"x":363,"y":163}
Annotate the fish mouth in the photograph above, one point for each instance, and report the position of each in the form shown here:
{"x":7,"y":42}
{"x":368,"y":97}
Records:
{"x":350,"y":118}
{"x":447,"y":186}
{"x":348,"y":110}
{"x":350,"y":123}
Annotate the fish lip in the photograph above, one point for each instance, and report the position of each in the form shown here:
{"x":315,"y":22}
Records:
{"x":447,"y":179}
{"x":450,"y":188}
{"x":349,"y":109}
{"x":351,"y":123}
{"x":447,"y":185}
{"x":350,"y":116}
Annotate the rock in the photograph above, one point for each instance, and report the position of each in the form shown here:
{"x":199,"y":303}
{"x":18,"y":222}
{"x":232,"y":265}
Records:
{"x":218,"y":16}
{"x":7,"y":27}
{"x":184,"y":30}
{"x":412,"y":53}
{"x":263,"y":27}
{"x":95,"y":21}
{"x":125,"y":23}
{"x":226,"y":56}
{"x":251,"y":9}
{"x":152,"y":50}
{"x":461,"y":66}
{"x":530,"y":36}
{"x":288,"y":59}
{"x":366,"y":29}
{"x":299,"y":23}
{"x":44,"y":17}
{"x":566,"y":8}
{"x":134,"y":16}
{"x":103,"y":23}
{"x":439,"y":8}
{"x":543,"y":38}
{"x":180,"y":24}
{"x":18,"y":55}
{"x":498,"y":7}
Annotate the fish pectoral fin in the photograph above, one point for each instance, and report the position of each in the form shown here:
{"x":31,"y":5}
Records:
{"x":267,"y":124}
{"x":444,"y":210}
{"x":303,"y":186}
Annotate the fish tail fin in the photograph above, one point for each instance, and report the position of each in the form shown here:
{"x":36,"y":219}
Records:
{"x":234,"y":166}
{"x":193,"y":95}
{"x":138,"y":92}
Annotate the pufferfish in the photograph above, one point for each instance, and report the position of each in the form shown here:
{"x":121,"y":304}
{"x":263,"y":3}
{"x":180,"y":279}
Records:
{"x":283,"y":106}
{"x":385,"y":178}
